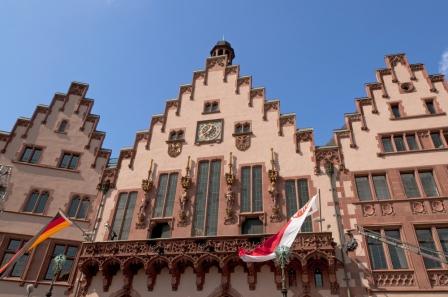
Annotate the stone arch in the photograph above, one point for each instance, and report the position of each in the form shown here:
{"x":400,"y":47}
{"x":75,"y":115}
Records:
{"x":153,"y":268}
{"x":221,"y":292}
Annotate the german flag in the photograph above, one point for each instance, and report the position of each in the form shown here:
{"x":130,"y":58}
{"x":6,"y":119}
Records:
{"x":59,"y":222}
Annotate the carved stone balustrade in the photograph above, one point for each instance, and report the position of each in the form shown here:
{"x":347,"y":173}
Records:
{"x":398,"y":278}
{"x":200,"y":253}
{"x":438,"y":278}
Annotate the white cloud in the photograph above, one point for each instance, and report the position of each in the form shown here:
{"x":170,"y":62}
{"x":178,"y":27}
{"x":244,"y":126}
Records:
{"x":443,"y":64}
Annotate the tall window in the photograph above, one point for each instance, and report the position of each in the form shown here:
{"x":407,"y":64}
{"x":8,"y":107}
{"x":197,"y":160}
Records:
{"x":297,"y":195}
{"x":251,"y":189}
{"x":166,"y":193}
{"x":62,"y":126}
{"x":387,"y":144}
{"x":123,"y":216}
{"x":36,"y":202}
{"x":437,"y":139}
{"x":372,"y":186}
{"x":205,"y":221}
{"x":430,"y":106}
{"x":377,"y":252}
{"x":70,"y":254}
{"x":412,"y":142}
{"x":399,"y":143}
{"x":78,"y":207}
{"x":69,"y":161}
{"x":413,"y":190}
{"x":395,"y":110}
{"x":31,"y":154}
{"x":427,"y":244}
{"x":11,"y":249}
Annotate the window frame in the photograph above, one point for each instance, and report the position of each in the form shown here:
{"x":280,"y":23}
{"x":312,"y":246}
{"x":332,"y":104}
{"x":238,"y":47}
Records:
{"x":251,"y":188}
{"x":207,"y":198}
{"x":30,"y":158}
{"x":81,"y":199}
{"x":62,"y":124}
{"x":114,"y":217}
{"x":396,"y":106}
{"x":298,"y":198}
{"x":211,"y":106}
{"x":4,"y":243}
{"x":433,"y":102}
{"x":49,"y":255}
{"x":176,"y":135}
{"x":239,"y":128}
{"x":72,"y":155}
{"x":404,"y":137}
{"x":416,"y":172}
{"x":40,"y":193}
{"x":371,"y":183}
{"x":165,"y":195}
{"x":437,"y":243}
{"x":385,"y":247}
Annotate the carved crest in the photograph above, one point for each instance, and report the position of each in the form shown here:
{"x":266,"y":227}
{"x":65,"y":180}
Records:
{"x":242,"y":142}
{"x":174,"y":149}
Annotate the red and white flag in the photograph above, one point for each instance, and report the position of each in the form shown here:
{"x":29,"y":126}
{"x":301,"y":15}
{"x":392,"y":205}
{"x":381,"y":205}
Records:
{"x":285,"y":237}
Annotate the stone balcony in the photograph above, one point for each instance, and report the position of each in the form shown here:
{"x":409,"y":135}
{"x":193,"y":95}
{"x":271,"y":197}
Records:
{"x":200,"y":253}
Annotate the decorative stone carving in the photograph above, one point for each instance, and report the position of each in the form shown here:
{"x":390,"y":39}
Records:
{"x":438,"y":278}
{"x":368,"y":210}
{"x":147,"y":186}
{"x":437,"y":206}
{"x":418,"y":207}
{"x":242,"y":142}
{"x":273,"y":177}
{"x":175,"y":148}
{"x":329,"y":155}
{"x":184,"y":199}
{"x":77,"y":89}
{"x":232,"y":69}
{"x":407,"y":87}
{"x":216,"y":61}
{"x":394,"y":278}
{"x":230,"y":195}
{"x":387,"y":209}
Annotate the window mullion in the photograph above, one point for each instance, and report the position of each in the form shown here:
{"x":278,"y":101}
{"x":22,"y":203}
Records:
{"x":250,"y":190}
{"x":372,"y":187}
{"x":166,"y":194}
{"x":419,"y":183}
{"x":36,"y":203}
{"x":386,"y":251}
{"x":124,"y":215}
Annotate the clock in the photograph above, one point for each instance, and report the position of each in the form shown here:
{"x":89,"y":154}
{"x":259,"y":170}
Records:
{"x":209,"y":131}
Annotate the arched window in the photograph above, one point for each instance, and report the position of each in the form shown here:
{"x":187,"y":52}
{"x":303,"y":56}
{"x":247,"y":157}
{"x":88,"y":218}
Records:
{"x":62,"y":126}
{"x":220,"y":52}
{"x":78,"y":207}
{"x":36,"y":202}
{"x":252,"y":226}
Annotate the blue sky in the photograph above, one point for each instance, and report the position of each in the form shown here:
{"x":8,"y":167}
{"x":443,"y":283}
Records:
{"x":315,"y":56}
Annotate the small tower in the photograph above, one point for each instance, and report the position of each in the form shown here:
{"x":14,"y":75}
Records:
{"x":223,"y":47}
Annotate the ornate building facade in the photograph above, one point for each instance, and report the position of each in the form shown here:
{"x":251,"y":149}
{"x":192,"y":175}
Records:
{"x":222,"y":168}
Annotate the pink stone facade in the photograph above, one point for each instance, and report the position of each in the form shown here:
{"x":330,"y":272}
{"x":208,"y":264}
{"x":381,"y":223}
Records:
{"x":158,"y":188}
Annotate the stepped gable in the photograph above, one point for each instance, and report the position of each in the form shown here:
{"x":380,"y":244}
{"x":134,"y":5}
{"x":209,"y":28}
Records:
{"x":23,"y":126}
{"x":434,"y":84}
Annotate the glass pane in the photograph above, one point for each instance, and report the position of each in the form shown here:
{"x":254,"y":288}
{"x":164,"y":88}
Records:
{"x":409,"y":184}
{"x":74,"y":204}
{"x":429,"y":185}
{"x":430,"y":107}
{"x":36,"y":156}
{"x":73,"y":162}
{"x":381,"y":189}
{"x":65,"y":272}
{"x":29,"y":207}
{"x":436,"y":140}
{"x":257,"y":196}
{"x":245,"y":189}
{"x":14,"y":245}
{"x":363,"y":188}
{"x":318,"y":279}
{"x":6,"y":258}
{"x":443,"y":236}
{"x":291,"y":198}
{"x":252,"y":226}
{"x":213,"y":198}
{"x":412,"y":142}
{"x":170,"y":196}
{"x":41,"y":203}
{"x":62,"y":126}
{"x":397,"y":255}
{"x":128,"y":216}
{"x":395,"y":110}
{"x":160,"y":197}
{"x":376,"y":253}
{"x":399,"y":143}
{"x":119,"y":214}
{"x":387,"y":145}
{"x":199,"y":203}
{"x":427,"y":245}
{"x":58,"y":250}
{"x":71,"y":251}
{"x":26,"y":154}
{"x":19,"y":266}
{"x":246,"y":127}
{"x":82,"y":212}
{"x":65,"y":160}
{"x":302,"y":185}
{"x":161,"y":230}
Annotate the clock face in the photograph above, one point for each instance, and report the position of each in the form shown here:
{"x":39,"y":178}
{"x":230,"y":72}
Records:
{"x":209,"y":131}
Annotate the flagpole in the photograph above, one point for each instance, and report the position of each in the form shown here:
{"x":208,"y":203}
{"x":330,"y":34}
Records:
{"x":84,"y":233}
